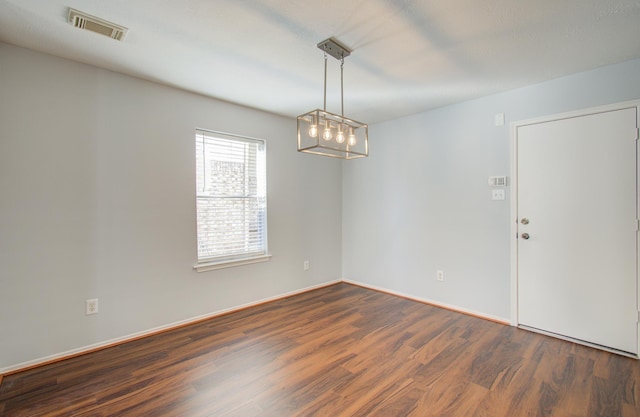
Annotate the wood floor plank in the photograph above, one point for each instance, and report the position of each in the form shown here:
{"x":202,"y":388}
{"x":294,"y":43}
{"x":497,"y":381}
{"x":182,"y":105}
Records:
{"x":337,"y":351}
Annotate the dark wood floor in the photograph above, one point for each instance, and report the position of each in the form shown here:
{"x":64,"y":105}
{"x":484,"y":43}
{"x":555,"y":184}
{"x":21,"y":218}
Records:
{"x":337,"y":351}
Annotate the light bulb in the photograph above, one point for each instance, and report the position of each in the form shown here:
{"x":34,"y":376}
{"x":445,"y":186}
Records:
{"x":326,"y":134}
{"x":352,"y":138}
{"x":313,"y":131}
{"x":340,"y":135}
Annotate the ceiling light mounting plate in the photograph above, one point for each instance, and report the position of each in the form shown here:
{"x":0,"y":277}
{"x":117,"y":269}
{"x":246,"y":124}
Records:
{"x":334,"y":48}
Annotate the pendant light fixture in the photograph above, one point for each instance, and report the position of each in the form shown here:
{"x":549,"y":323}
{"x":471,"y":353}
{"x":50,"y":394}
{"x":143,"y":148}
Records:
{"x":323,"y":133}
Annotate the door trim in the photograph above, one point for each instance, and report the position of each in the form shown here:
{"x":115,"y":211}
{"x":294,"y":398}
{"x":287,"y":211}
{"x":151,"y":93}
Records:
{"x":514,"y":210}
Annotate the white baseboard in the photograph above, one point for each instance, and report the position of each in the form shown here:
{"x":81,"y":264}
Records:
{"x":102,"y":345}
{"x":113,"y":342}
{"x":485,"y":316}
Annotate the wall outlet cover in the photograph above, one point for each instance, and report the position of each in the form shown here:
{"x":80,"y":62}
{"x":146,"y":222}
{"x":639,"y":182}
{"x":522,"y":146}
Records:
{"x":91,"y":306}
{"x":497,"y":195}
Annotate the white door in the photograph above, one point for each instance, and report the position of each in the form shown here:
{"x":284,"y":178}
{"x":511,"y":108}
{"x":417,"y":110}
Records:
{"x":577,"y":227}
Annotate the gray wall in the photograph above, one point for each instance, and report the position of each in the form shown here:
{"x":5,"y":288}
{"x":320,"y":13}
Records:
{"x":97,"y":200}
{"x":421,"y":202}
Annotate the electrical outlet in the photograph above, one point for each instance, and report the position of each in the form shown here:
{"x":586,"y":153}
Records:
{"x":91,"y":306}
{"x":306,"y":265}
{"x":440,"y":275}
{"x":497,"y":195}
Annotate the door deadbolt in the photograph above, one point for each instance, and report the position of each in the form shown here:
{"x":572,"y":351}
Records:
{"x":525,"y":236}
{"x":524,"y":220}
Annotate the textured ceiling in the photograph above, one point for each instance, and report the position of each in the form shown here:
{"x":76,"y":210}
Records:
{"x":408,"y":56}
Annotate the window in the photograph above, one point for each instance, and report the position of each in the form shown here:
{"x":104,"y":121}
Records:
{"x":231,"y":200}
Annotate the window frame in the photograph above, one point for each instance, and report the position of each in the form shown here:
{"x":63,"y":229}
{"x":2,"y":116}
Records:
{"x":226,"y":261}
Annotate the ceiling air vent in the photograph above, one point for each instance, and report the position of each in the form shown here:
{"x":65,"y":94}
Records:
{"x":85,"y":21}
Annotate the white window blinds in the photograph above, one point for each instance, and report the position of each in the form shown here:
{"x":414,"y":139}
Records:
{"x":231,"y":198}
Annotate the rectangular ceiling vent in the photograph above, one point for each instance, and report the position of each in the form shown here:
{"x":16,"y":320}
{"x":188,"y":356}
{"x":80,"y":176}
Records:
{"x":85,"y":21}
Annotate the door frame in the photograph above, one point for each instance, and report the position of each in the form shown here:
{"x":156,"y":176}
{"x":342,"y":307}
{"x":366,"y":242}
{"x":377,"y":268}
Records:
{"x":513,"y":142}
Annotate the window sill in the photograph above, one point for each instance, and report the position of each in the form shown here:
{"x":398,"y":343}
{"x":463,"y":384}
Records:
{"x":210,"y":266}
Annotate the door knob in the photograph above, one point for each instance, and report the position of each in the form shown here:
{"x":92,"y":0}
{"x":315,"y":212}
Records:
{"x":524,"y":220}
{"x":525,"y":236}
